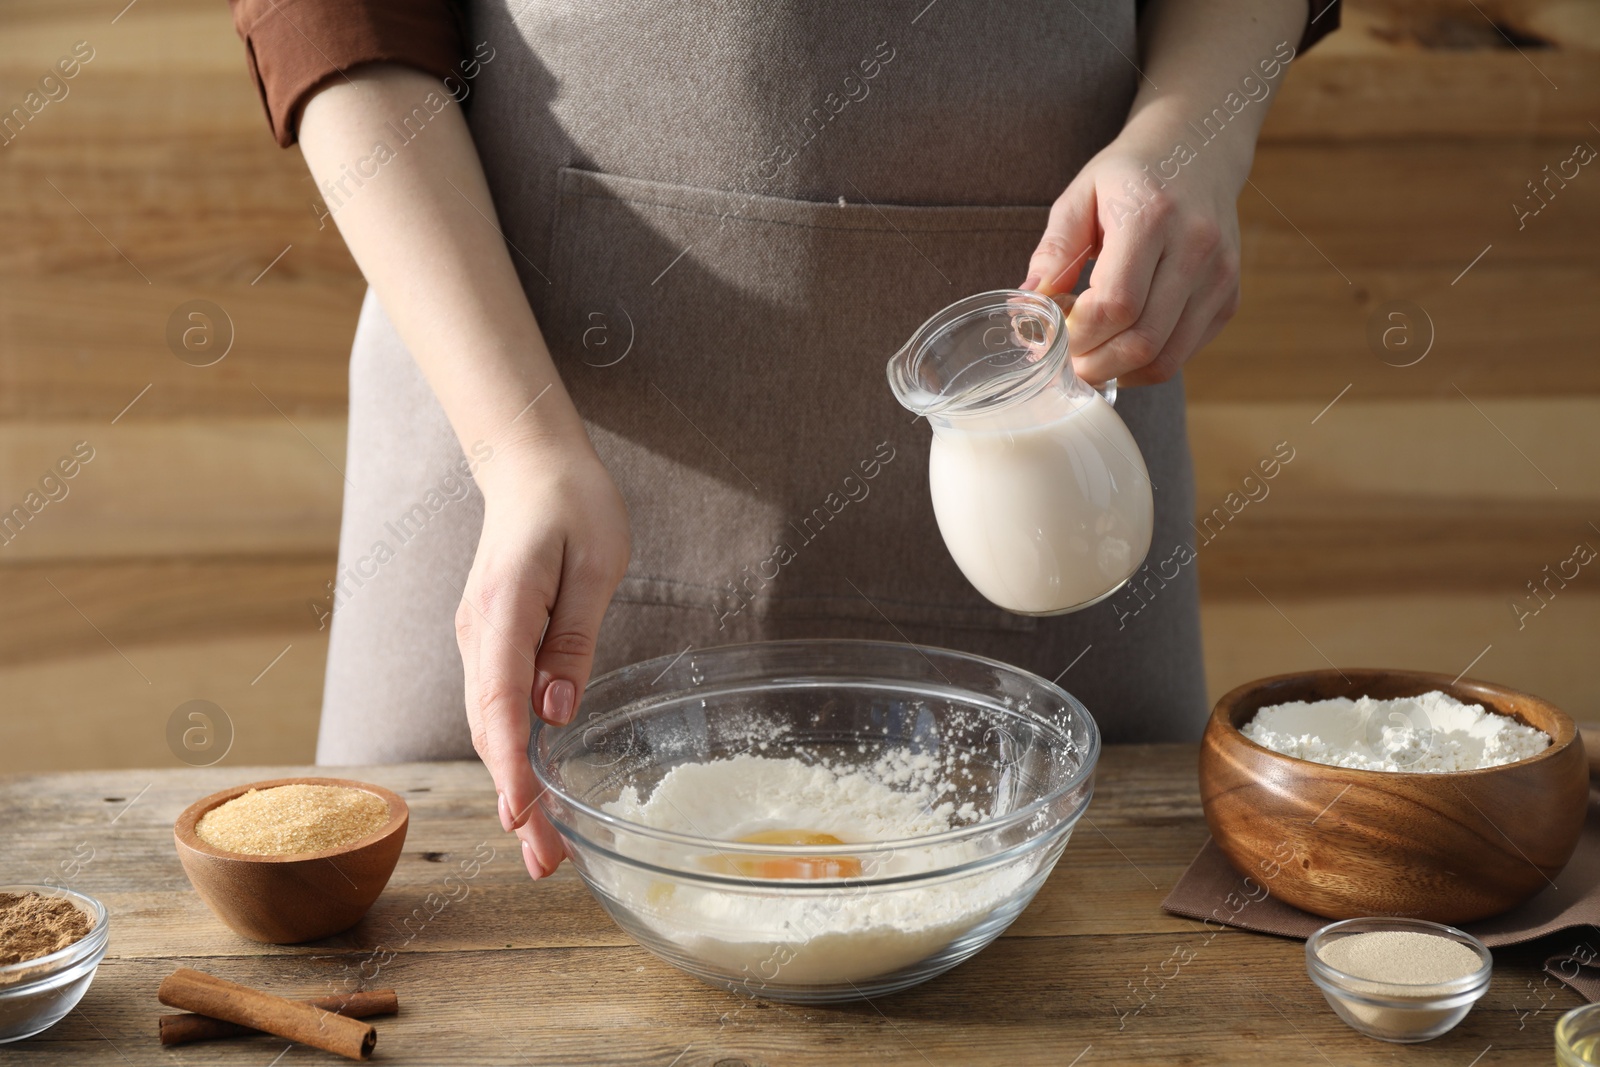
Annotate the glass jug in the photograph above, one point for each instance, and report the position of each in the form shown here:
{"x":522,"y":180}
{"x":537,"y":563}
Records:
{"x":1041,"y":494}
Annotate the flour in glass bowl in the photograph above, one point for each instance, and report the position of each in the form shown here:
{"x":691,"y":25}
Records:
{"x":1433,"y":732}
{"x":856,"y":933}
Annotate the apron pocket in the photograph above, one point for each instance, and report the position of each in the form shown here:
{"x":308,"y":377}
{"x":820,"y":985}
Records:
{"x":727,"y":352}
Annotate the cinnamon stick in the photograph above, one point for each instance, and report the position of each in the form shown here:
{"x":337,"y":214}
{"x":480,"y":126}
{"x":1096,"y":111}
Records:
{"x":293,"y":1020}
{"x":181,"y":1029}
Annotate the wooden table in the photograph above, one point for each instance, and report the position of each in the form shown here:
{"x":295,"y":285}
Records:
{"x":520,"y":973}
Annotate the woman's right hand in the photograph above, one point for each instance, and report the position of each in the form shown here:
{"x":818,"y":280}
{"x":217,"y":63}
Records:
{"x":555,"y":544}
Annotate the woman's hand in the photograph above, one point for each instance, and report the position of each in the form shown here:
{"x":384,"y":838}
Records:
{"x":555,"y":531}
{"x":1158,"y":205}
{"x":554,"y":546}
{"x":1166,"y":277}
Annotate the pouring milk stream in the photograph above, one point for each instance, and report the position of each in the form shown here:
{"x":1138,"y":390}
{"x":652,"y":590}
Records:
{"x":1040,"y":492}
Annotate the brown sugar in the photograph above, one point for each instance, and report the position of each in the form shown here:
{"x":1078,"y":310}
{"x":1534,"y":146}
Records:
{"x":290,"y":819}
{"x":34,"y":925}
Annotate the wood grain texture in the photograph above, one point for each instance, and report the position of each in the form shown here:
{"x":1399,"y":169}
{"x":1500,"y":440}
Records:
{"x":62,"y":610}
{"x":517,"y":973}
{"x":271,"y":484}
{"x":1389,"y":546}
{"x":1417,"y":201}
{"x":1513,"y":452}
{"x":1359,"y":87}
{"x":111,"y":707}
{"x":1445,"y":68}
{"x":88,"y":348}
{"x":1433,"y":203}
{"x":1269,"y":633}
{"x":1417,"y":845}
{"x":1302,"y":334}
{"x":1402,"y":534}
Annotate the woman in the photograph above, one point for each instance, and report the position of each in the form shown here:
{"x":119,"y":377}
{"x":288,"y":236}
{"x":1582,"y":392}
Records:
{"x":651,"y":275}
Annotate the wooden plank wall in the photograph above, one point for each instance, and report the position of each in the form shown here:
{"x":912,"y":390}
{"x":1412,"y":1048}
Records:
{"x":1421,"y":504}
{"x":181,"y":562}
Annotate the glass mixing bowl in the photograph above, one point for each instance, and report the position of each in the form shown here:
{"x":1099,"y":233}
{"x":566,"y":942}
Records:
{"x":1000,"y":760}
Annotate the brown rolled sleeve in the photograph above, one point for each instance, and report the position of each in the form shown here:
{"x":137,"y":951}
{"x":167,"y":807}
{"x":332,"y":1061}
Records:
{"x":293,"y":47}
{"x":1321,"y":20}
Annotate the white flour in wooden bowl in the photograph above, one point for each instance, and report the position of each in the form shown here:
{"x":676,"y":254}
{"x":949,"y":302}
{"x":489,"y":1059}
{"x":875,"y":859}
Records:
{"x":850,"y":934}
{"x":1433,"y":732}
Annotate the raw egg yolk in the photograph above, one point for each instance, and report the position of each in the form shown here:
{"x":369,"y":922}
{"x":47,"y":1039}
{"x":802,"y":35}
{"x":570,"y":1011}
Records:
{"x":793,"y":867}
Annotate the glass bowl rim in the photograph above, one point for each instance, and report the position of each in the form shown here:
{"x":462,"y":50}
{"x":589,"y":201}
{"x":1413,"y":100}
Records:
{"x":52,"y":965}
{"x":1084,"y":770}
{"x":1568,"y":1021}
{"x":1350,"y":985}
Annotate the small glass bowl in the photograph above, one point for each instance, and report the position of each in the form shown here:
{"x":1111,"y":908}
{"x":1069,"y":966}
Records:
{"x":1578,"y":1037}
{"x":36,"y":994}
{"x":1392,"y":1011}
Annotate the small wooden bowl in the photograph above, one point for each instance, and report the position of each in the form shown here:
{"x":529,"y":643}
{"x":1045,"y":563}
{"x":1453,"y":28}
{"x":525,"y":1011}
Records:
{"x":299,"y":897}
{"x":1447,"y":847}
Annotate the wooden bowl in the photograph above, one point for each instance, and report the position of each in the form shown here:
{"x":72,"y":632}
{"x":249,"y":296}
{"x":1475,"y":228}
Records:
{"x":298,"y":897}
{"x":1447,"y":847}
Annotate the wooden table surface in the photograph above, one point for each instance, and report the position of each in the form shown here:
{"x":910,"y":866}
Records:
{"x":519,"y":973}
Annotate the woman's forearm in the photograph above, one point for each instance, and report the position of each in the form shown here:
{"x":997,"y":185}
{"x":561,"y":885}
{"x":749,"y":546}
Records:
{"x":554,"y":542}
{"x":1210,"y":70}
{"x":1156,"y":209}
{"x":418,"y":218}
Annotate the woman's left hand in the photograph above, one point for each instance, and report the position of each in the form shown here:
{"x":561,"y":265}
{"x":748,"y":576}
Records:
{"x":1166,"y":276}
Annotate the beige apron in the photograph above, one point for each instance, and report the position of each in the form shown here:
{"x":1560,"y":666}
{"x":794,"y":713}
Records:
{"x":727,"y":216}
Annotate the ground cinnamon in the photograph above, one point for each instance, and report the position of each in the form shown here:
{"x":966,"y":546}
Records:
{"x":293,"y":1020}
{"x":34,"y":925}
{"x":181,"y":1029}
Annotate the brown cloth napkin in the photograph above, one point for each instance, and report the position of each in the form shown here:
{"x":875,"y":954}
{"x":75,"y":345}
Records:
{"x":1579,"y":969}
{"x":1212,"y":890}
